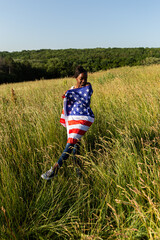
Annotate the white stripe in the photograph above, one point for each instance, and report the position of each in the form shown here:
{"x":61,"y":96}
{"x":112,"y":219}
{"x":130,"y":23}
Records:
{"x":62,"y":116}
{"x":75,"y":136}
{"x":86,"y":118}
{"x":65,"y":114}
{"x":64,"y":106}
{"x":79,"y":126}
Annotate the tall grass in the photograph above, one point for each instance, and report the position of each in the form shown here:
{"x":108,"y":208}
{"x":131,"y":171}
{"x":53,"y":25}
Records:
{"x":118,"y":195}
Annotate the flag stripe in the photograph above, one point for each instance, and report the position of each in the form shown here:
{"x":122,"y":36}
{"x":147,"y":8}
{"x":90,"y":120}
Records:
{"x":62,"y":120}
{"x":83,"y":122}
{"x":72,"y":141}
{"x":79,"y":126}
{"x":78,"y":131}
{"x":75,"y":135}
{"x":87,"y":118}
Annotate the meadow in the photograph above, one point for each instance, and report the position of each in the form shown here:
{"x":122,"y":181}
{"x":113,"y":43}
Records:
{"x":118,"y":195}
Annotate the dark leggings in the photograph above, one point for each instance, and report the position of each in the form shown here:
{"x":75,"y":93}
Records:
{"x":67,"y":151}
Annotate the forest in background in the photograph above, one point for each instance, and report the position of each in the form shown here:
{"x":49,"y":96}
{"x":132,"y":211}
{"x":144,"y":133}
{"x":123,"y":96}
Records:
{"x":30,"y":65}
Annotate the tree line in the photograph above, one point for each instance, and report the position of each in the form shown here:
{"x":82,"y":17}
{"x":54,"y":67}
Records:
{"x":46,"y":63}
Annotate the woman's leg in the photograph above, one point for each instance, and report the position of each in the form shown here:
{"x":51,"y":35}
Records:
{"x":53,"y":171}
{"x":76,"y":151}
{"x":67,"y":151}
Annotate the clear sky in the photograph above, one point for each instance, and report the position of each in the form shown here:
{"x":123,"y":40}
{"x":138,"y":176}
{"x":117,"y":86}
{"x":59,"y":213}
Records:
{"x":61,"y":24}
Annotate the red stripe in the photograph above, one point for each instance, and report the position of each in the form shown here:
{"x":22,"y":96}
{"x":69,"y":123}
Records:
{"x":83,"y":122}
{"x":72,"y":140}
{"x":78,"y":131}
{"x":62,"y":120}
{"x":63,"y":111}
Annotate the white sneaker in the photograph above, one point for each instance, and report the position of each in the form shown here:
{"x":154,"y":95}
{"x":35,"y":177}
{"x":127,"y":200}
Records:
{"x":49,"y":174}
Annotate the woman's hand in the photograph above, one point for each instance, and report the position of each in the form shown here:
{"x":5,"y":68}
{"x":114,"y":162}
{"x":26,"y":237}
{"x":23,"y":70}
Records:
{"x":64,"y":94}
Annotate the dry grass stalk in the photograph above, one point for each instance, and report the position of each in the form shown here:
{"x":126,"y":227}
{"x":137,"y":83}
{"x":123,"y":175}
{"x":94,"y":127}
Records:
{"x":13,"y":96}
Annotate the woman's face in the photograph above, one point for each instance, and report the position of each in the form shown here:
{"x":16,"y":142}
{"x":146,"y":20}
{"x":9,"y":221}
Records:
{"x":81,"y":80}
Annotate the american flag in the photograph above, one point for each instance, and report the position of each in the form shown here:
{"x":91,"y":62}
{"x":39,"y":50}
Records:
{"x":77,"y":115}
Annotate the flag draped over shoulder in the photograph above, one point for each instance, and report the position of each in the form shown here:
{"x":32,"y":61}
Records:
{"x":77,"y":115}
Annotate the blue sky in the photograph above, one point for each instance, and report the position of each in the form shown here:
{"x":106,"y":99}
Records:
{"x":61,"y":24}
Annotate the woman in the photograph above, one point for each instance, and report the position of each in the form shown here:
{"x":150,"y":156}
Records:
{"x":77,"y":117}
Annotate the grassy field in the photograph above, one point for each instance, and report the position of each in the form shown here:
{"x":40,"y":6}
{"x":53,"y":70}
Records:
{"x":118,"y":195}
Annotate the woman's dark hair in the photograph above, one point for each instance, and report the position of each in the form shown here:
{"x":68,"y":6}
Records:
{"x":79,"y":70}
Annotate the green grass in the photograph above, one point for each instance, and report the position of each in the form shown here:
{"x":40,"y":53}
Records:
{"x":118,"y":196}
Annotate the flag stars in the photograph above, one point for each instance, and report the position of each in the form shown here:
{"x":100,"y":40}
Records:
{"x":78,"y":103}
